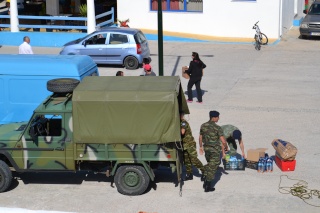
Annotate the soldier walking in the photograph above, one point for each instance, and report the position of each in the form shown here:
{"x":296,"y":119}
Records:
{"x":211,"y":136}
{"x":190,"y":150}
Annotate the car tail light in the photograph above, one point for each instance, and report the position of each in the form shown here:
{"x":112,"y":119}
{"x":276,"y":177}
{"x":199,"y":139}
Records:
{"x":139,"y":50}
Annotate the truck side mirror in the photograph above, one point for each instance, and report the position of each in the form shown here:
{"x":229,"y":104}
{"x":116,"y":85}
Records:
{"x":305,"y":11}
{"x":84,"y":43}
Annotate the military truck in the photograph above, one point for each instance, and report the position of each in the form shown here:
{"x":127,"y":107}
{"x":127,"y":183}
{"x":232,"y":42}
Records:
{"x":122,"y":126}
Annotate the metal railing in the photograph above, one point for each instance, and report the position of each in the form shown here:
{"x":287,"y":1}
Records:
{"x":63,"y":22}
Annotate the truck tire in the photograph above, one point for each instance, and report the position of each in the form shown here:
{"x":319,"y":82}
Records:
{"x":5,"y":176}
{"x":62,"y":85}
{"x":131,"y":63}
{"x":131,"y":180}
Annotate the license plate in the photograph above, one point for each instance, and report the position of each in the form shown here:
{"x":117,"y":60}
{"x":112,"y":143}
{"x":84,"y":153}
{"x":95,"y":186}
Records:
{"x":315,"y":34}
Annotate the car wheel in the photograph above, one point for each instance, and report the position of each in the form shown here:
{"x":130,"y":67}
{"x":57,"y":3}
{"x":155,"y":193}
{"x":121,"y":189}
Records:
{"x":62,"y":85}
{"x":131,"y":180}
{"x":5,"y":176}
{"x":131,"y":63}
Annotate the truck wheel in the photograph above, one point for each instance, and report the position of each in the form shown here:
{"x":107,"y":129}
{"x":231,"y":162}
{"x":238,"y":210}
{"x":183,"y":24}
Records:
{"x":131,"y":180}
{"x":5,"y":176}
{"x":62,"y":85}
{"x":131,"y":63}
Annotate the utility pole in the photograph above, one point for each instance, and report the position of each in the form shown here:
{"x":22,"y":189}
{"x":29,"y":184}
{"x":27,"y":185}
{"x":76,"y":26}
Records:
{"x":160,"y":38}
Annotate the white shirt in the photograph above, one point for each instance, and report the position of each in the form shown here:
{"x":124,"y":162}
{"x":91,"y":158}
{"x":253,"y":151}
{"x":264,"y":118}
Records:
{"x":25,"y":48}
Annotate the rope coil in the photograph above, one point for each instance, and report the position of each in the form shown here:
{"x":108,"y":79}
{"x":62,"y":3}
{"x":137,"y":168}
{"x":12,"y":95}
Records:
{"x":300,"y":190}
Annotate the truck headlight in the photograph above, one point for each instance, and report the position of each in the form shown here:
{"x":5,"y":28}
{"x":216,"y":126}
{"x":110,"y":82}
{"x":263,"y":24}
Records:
{"x":304,"y":25}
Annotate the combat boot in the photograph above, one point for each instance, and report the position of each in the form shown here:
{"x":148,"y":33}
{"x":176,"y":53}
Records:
{"x":189,"y":177}
{"x":208,"y":187}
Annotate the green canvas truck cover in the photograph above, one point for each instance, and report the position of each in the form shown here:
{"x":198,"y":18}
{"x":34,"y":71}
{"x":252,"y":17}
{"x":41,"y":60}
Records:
{"x":128,"y":110}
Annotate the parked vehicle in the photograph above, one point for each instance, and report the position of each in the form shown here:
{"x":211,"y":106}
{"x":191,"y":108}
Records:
{"x":310,"y":25}
{"x":112,"y":45}
{"x":23,"y":80}
{"x":124,"y":127}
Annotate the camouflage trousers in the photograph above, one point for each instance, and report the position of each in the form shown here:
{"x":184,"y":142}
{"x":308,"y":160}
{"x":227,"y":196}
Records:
{"x":191,"y":158}
{"x":232,"y":146}
{"x":212,"y":155}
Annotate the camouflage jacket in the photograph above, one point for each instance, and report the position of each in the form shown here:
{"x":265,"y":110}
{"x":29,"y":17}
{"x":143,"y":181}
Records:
{"x":228,"y":130}
{"x":187,"y":138}
{"x":211,"y":133}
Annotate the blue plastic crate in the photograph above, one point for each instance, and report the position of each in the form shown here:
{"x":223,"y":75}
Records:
{"x":238,"y":165}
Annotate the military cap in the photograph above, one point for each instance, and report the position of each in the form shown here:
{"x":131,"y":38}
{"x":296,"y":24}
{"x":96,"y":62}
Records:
{"x":214,"y":114}
{"x":236,"y":134}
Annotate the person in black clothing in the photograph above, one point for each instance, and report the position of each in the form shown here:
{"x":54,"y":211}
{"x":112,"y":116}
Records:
{"x":195,"y":71}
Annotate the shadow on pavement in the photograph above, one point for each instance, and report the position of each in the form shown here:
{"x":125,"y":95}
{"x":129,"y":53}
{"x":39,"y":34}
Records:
{"x":218,"y":175}
{"x":110,"y":65}
{"x":194,"y":92}
{"x":162,"y":174}
{"x":312,"y":38}
{"x":60,"y":177}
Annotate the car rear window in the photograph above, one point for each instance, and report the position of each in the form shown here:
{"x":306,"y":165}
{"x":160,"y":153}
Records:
{"x":139,"y":38}
{"x":118,"y":38}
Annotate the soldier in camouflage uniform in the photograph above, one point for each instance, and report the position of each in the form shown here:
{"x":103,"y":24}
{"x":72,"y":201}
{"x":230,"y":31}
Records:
{"x":211,"y":136}
{"x":190,"y":149}
{"x":231,"y":134}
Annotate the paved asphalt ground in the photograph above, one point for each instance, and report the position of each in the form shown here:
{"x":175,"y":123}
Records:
{"x":268,"y":94}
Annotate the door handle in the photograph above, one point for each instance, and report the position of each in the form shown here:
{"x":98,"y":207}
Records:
{"x":59,"y":149}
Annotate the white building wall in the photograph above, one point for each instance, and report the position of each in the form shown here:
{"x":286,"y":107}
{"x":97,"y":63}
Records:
{"x":299,"y":6}
{"x":220,"y":18}
{"x":288,"y":14}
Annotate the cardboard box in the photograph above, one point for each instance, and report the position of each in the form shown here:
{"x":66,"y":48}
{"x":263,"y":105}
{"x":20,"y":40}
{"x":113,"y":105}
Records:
{"x":285,"y":150}
{"x":255,"y":154}
{"x":285,"y":166}
{"x":184,"y":74}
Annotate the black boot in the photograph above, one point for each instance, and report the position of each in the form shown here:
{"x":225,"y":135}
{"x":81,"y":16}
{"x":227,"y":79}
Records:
{"x":189,"y":177}
{"x":208,"y":187}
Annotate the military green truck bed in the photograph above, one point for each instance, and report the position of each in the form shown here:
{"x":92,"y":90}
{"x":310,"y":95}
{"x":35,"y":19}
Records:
{"x":131,"y":110}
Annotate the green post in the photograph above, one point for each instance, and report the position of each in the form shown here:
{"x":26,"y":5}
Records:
{"x":160,"y":38}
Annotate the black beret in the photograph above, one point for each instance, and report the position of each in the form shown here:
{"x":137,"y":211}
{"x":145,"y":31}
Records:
{"x":236,"y":134}
{"x":214,"y":114}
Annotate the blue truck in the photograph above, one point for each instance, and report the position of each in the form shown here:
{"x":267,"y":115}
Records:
{"x":23,"y":80}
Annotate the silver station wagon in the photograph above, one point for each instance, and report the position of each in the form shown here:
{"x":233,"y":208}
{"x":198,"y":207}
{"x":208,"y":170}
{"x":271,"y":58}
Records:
{"x":112,"y":45}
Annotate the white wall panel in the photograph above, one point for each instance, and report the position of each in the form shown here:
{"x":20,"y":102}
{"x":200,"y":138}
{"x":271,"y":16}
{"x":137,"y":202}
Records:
{"x":220,"y":18}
